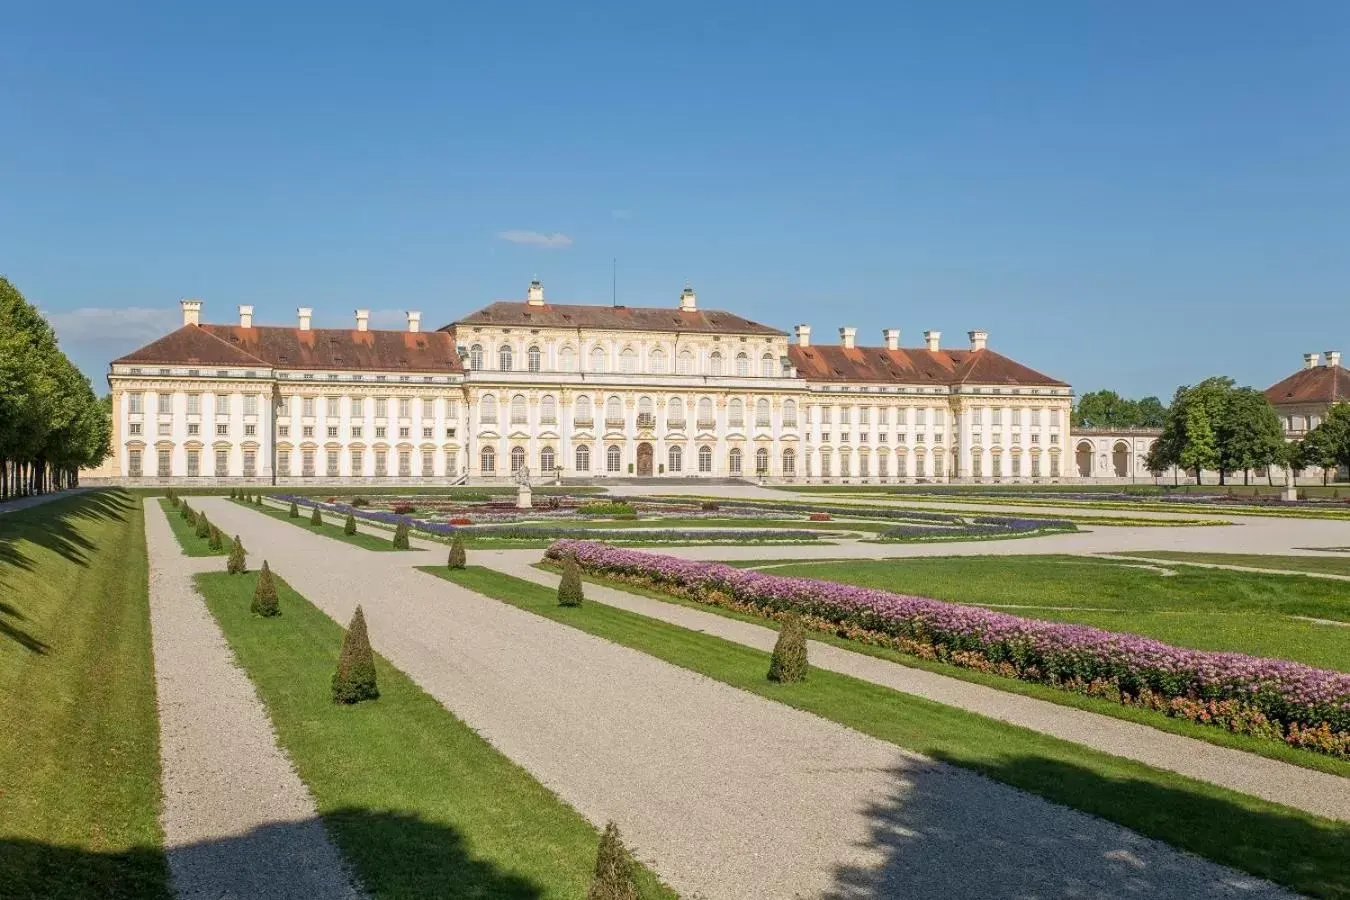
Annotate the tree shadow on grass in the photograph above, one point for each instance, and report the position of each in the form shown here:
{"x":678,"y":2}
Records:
{"x":945,"y":832}
{"x":392,"y":855}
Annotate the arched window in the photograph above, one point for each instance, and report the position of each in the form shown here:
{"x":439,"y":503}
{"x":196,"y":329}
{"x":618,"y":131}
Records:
{"x":567,"y":359}
{"x":476,"y":356}
{"x":517,"y":458}
{"x":762,"y":461}
{"x":614,"y":411}
{"x":789,"y":461}
{"x":735,"y":461}
{"x":675,"y":412}
{"x":613,"y":458}
{"x":534,"y":357}
{"x":504,"y":358}
{"x":657,"y":361}
{"x":583,"y":458}
{"x":789,"y":413}
{"x":546,"y":463}
{"x":518,"y":413}
{"x":705,"y":459}
{"x":628,"y":362}
{"x":766,"y":365}
{"x":597,"y":360}
{"x":488,"y":460}
{"x":736,"y":414}
{"x":705,"y":413}
{"x":715,"y":363}
{"x":581,"y":410}
{"x":762,"y":412}
{"x":742,"y":364}
{"x":487,"y":409}
{"x":675,"y":459}
{"x":644,"y":406}
{"x":685,"y":366}
{"x":548,"y":410}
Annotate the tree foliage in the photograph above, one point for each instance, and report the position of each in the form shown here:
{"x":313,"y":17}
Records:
{"x":570,"y":592}
{"x":354,"y":679}
{"x":265,"y":594}
{"x":51,"y":422}
{"x":1217,"y":426}
{"x":458,"y":559}
{"x":788,"y":664}
{"x":615,"y":875}
{"x":1328,"y":445}
{"x":1107,"y":409}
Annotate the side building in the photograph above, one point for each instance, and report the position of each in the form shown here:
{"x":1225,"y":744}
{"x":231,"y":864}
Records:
{"x":578,"y":392}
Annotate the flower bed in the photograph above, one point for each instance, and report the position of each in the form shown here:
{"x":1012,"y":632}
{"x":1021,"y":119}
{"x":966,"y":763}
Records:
{"x":978,"y":528}
{"x":1299,"y":704}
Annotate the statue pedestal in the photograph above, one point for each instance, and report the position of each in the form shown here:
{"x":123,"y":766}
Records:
{"x":524,"y":500}
{"x":1289,"y":493}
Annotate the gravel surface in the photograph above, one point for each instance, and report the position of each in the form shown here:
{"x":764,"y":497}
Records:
{"x":725,"y":793}
{"x":238,"y":822}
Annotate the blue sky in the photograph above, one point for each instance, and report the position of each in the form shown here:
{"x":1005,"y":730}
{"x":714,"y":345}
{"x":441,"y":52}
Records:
{"x":1124,"y":195}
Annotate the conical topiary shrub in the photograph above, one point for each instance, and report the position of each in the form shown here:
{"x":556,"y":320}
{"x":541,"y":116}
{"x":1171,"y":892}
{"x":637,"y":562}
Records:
{"x":257,"y":499}
{"x":173,"y":498}
{"x":349,"y":526}
{"x":186,"y":512}
{"x":457,"y":556}
{"x":569,"y":589}
{"x":615,"y":875}
{"x":215,"y":542}
{"x":295,"y":510}
{"x":235,"y":564}
{"x":401,"y":536}
{"x":315,"y":518}
{"x":354,"y":679}
{"x":203,"y":526}
{"x":234,"y":494}
{"x":789,"y":652}
{"x":265,"y":594}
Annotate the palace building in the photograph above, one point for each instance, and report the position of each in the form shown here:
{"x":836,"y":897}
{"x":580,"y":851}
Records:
{"x":577,"y":392}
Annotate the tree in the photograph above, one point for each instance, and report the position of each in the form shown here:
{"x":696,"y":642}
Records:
{"x":203,"y":526}
{"x":1107,"y":409}
{"x":354,"y":679}
{"x":295,"y":510}
{"x":349,"y":526}
{"x":315,"y":518}
{"x":457,"y":558}
{"x":401,"y":536}
{"x":235,"y":565}
{"x":1249,"y":434}
{"x":265,"y":594}
{"x":615,"y":875}
{"x":1150,"y":413}
{"x":215,"y":542}
{"x":788,"y":664}
{"x":1200,"y":451}
{"x":1328,"y":445}
{"x":569,"y":589}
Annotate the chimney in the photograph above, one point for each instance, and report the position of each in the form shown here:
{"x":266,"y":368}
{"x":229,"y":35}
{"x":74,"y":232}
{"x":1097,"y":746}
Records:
{"x":414,"y":321}
{"x":978,"y":339}
{"x":1310,"y":360}
{"x":305,"y":313}
{"x":892,"y":336}
{"x":688,"y":299}
{"x":846,"y":336}
{"x":932,"y":338}
{"x":803,"y":335}
{"x":363,"y":320}
{"x":246,"y":317}
{"x":1333,"y":358}
{"x":192,"y":311}
{"x":534,"y":295}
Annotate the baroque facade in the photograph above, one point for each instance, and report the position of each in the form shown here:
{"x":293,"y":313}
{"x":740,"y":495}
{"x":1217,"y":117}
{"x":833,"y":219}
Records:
{"x":578,"y":392}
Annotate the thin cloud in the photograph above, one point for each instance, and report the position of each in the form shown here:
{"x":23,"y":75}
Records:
{"x":555,"y":241}
{"x":113,"y":325}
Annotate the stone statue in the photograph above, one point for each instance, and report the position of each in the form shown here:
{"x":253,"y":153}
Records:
{"x":523,"y":493}
{"x":523,"y":475}
{"x":1290,"y":489}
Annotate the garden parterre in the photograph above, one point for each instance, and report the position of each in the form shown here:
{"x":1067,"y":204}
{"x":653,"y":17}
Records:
{"x":1302,"y":705}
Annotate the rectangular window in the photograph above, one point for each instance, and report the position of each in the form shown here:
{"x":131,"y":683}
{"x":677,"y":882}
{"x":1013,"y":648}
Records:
{"x":381,"y":407}
{"x":283,"y":462}
{"x":404,"y":432}
{"x":307,"y":407}
{"x":1054,"y":418}
{"x":250,"y":404}
{"x":250,"y":463}
{"x":194,"y":404}
{"x":358,"y":463}
{"x":428,"y":464}
{"x":332,"y":463}
{"x":332,"y":431}
{"x":165,"y":404}
{"x":165,"y":457}
{"x":451,"y":409}
{"x":333,"y":408}
{"x":250,"y":430}
{"x":404,"y":408}
{"x":222,"y":429}
{"x":194,"y":429}
{"x":222,"y":463}
{"x":404,"y":464}
{"x":451,"y":463}
{"x":1036,"y":467}
{"x":381,"y":432}
{"x":135,"y":403}
{"x":864,"y":416}
{"x":134,"y":463}
{"x":307,"y":463}
{"x":998,"y":417}
{"x":283,"y":431}
{"x":1054,"y":466}
{"x":356,"y":408}
{"x":164,"y":428}
{"x":428,"y":433}
{"x":1035,"y":438}
{"x":1035,"y":418}
{"x":307,"y":431}
{"x":356,"y":432}
{"x":381,"y":462}
{"x":845,"y":415}
{"x":194,"y":463}
{"x":134,"y":428}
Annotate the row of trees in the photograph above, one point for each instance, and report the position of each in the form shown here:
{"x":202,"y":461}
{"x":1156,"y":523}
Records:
{"x":1107,"y":409}
{"x":51,"y":422}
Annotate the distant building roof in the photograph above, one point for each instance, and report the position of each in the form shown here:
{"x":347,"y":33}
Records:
{"x":912,"y":366}
{"x":1319,"y":384}
{"x":515,"y":313}
{"x":292,"y":348}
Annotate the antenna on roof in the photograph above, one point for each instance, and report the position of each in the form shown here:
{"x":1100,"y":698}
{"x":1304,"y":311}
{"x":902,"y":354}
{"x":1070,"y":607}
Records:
{"x":614,"y":282}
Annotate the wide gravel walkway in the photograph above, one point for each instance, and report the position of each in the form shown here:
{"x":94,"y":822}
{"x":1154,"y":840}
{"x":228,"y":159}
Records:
{"x":238,"y":822}
{"x":725,"y":793}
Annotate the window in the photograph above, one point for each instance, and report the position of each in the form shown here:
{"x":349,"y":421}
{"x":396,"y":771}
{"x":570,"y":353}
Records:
{"x":222,"y":429}
{"x":404,"y":408}
{"x":675,"y":412}
{"x":742,"y":364}
{"x":518,"y":413}
{"x":165,"y":457}
{"x":250,"y":430}
{"x":567,"y":359}
{"x":487,"y":460}
{"x":864,"y":463}
{"x":135,"y":429}
{"x":404,"y":464}
{"x":250,"y":404}
{"x":715,"y":363}
{"x":307,"y":431}
{"x":1054,"y":465}
{"x":901,"y":465}
{"x":356,"y":408}
{"x":657,"y":361}
{"x":504,"y":358}
{"x":735,"y":461}
{"x":333,"y":408}
{"x":534,"y":358}
{"x":381,"y":462}
{"x":581,"y":411}
{"x":194,"y":404}
{"x":1054,"y":421}
{"x":250,"y":463}
{"x":705,"y":459}
{"x":583,"y":458}
{"x":307,"y":406}
{"x":789,"y":462}
{"x":307,"y":463}
{"x":381,"y":407}
{"x":451,"y":410}
{"x":845,"y":415}
{"x":223,"y":463}
{"x":165,"y":404}
{"x":546,"y":460}
{"x":762,"y":461}
{"x":762,"y":413}
{"x":476,"y":356}
{"x":428,"y":464}
{"x":882,"y":466}
{"x":705,"y":413}
{"x":613,"y":458}
{"x":627,"y":362}
{"x":789,"y":413}
{"x":1035,"y":465}
{"x":487,"y":410}
{"x":675,"y":459}
{"x":285,"y":431}
{"x":685,"y":365}
{"x":736,"y":414}
{"x":646,"y":417}
{"x":864,"y":415}
{"x":1035,"y":418}
{"x":517,"y":458}
{"x":358,"y":463}
{"x":165,"y":429}
{"x":381,"y":431}
{"x":845,"y":463}
{"x":135,"y":404}
{"x":332,"y":458}
{"x":766,"y":365}
{"x":613,"y":412}
{"x":597,"y":360}
{"x":404,"y":432}
{"x":194,"y":463}
{"x":428,"y":432}
{"x":283,"y":462}
{"x":548,"y":410}
{"x":451,"y":463}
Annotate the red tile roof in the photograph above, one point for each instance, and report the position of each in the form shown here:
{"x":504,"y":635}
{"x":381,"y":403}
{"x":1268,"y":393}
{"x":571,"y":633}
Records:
{"x":291,"y":348}
{"x":627,"y":318}
{"x":1320,"y":384}
{"x":832,"y":362}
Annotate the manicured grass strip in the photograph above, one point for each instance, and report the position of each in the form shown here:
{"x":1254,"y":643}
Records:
{"x":1284,"y":845}
{"x":1321,"y":565}
{"x":186,"y":534}
{"x":418,"y":803}
{"x":835,"y":524}
{"x":79,"y":742}
{"x":329,"y":528}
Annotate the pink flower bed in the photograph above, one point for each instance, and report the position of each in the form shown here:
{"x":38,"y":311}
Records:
{"x":1288,"y":696}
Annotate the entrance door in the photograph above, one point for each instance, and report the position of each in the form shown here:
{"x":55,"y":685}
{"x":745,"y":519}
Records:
{"x":644,"y":460}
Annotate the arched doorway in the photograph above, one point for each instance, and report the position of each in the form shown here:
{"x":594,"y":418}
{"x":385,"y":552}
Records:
{"x":644,"y":460}
{"x":1120,"y":459}
{"x":1084,"y":459}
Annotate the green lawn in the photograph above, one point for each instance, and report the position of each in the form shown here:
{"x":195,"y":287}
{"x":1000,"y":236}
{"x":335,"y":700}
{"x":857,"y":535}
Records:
{"x":1284,"y":845}
{"x":419,"y":804}
{"x":187,"y":534}
{"x":1208,"y":609}
{"x":79,"y":756}
{"x":329,"y":528}
{"x":1322,"y":565}
{"x":836,"y":524}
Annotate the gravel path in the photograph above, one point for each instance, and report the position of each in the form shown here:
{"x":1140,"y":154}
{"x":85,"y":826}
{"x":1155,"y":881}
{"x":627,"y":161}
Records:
{"x":238,"y":822}
{"x":725,"y":793}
